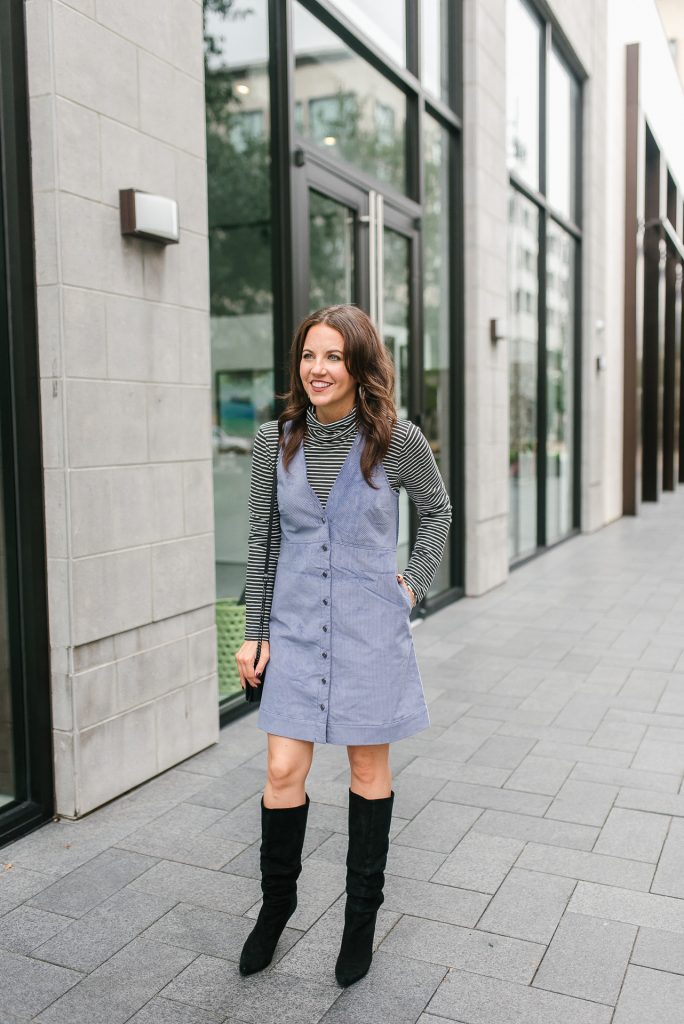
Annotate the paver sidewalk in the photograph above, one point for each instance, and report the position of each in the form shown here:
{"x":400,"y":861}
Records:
{"x":536,"y":872}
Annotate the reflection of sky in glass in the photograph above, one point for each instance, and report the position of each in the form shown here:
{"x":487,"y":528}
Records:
{"x":522,"y":73}
{"x":433,"y":34}
{"x":383,"y":21}
{"x":561,"y":139}
{"x":243,"y":35}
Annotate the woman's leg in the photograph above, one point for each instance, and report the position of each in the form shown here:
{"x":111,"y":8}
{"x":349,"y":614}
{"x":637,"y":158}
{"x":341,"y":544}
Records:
{"x":370,"y":814}
{"x":284,"y":810}
{"x":288,"y":764}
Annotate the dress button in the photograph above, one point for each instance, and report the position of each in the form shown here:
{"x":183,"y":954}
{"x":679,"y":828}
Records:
{"x":322,"y":707}
{"x":324,"y":654}
{"x":325,"y":547}
{"x":325,"y":600}
{"x":323,"y":680}
{"x":325,"y":629}
{"x":324,"y":575}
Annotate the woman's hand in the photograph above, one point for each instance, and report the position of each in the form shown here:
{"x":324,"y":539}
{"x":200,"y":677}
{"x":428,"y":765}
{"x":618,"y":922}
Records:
{"x":245,"y":662}
{"x":412,"y":596}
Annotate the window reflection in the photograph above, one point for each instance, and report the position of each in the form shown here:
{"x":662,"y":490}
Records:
{"x":7,"y":781}
{"x":383,"y":21}
{"x":238,"y":177}
{"x":436,"y":299}
{"x":331,"y":252}
{"x":563,"y":98}
{"x":523,"y":295}
{"x":560,"y":278}
{"x":523,"y":35}
{"x":345,"y":106}
{"x":434,"y":40}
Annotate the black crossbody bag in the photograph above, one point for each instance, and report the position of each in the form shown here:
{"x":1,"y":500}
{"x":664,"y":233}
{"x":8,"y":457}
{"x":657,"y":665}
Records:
{"x":253,"y":693}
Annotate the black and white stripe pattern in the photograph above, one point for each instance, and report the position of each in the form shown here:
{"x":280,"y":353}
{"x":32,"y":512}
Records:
{"x":409,"y":463}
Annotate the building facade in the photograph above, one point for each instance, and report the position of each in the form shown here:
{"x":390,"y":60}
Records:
{"x":495,"y":181}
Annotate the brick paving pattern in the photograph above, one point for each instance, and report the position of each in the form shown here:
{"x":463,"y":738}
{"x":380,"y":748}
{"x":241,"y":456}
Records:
{"x":536,"y":867}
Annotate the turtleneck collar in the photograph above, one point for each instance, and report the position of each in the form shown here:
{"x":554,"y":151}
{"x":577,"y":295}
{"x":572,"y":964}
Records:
{"x":328,"y":432}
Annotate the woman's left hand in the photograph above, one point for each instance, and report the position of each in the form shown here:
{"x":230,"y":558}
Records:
{"x":412,"y":596}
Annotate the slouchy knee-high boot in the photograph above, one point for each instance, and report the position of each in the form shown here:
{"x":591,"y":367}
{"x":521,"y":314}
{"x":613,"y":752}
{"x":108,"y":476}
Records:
{"x":369,"y":824}
{"x":282,"y":839}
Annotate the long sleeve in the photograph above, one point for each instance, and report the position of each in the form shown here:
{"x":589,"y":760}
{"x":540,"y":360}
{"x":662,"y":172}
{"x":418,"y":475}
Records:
{"x":263,"y":456}
{"x":419,"y":474}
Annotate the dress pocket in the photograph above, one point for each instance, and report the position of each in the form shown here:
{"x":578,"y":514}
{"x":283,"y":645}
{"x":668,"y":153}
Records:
{"x":404,"y":594}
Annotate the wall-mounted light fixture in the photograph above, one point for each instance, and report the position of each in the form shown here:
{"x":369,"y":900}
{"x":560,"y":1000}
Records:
{"x":145,"y":215}
{"x":496,"y":331}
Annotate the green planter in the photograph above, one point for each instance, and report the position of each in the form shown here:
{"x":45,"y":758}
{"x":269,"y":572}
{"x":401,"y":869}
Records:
{"x":230,"y":634}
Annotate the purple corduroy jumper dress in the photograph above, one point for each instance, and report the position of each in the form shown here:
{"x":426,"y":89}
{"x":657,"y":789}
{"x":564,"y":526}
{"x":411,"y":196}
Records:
{"x":342,"y":665}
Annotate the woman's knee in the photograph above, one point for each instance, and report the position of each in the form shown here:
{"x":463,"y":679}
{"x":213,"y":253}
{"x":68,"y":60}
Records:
{"x":368,"y":765}
{"x":288,"y":766}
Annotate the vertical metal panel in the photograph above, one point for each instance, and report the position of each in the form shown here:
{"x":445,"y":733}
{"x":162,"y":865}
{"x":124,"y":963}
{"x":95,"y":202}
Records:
{"x":653,"y":320}
{"x":633,"y":278}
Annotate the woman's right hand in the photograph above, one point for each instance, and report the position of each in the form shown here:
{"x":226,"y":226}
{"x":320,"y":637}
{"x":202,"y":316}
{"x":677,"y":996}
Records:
{"x":245,"y":662}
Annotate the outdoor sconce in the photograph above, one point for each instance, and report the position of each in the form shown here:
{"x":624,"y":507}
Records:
{"x":495,"y":333}
{"x":145,"y":215}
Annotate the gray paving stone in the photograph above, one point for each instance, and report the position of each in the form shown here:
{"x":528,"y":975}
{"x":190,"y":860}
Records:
{"x":587,"y":958}
{"x":412,"y":793}
{"x":231,"y":790}
{"x":475,"y":999}
{"x":528,"y":905}
{"x":24,"y":928}
{"x":640,"y":908}
{"x":657,"y":803}
{"x":58,"y":847}
{"x":121,"y":986}
{"x":502,"y":751}
{"x":590,"y":867}
{"x":626,"y":777}
{"x":543,"y":775}
{"x":584,"y":803}
{"x":650,"y":996}
{"x":538,"y":830}
{"x":90,"y":884}
{"x":210,"y":931}
{"x":241,"y":825}
{"x":669,"y":876}
{"x":94,"y":938}
{"x":663,"y":951}
{"x":452,"y":946}
{"x":495,"y":799}
{"x":438,"y":902}
{"x":168,"y":844}
{"x":18,"y":884}
{"x":479,"y":862}
{"x":584,"y":755}
{"x":394,"y":990}
{"x":660,"y":756}
{"x":618,"y":736}
{"x":314,"y":955}
{"x":478,"y":774}
{"x":199,"y":886}
{"x":438,"y":827}
{"x":164,"y":1011}
{"x":636,"y":835}
{"x":269,"y":997}
{"x":27,"y":986}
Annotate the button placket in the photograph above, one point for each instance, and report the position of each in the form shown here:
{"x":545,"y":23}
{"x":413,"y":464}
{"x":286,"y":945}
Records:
{"x":325,"y":623}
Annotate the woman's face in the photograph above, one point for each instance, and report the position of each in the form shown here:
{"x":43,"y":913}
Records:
{"x":328,"y":383}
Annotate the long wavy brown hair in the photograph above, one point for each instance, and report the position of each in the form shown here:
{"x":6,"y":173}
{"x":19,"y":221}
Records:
{"x":368,"y":362}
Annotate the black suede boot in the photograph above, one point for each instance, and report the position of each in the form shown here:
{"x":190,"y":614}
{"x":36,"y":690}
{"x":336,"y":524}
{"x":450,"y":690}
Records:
{"x":282,"y":838}
{"x":369,"y":824}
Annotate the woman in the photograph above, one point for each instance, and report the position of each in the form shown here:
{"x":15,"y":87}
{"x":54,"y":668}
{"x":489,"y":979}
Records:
{"x":341,"y":663}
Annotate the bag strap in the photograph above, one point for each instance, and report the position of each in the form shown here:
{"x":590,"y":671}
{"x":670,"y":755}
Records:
{"x":267,"y":560}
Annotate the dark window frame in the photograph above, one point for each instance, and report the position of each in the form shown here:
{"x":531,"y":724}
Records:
{"x":22,"y":455}
{"x":553,"y":39}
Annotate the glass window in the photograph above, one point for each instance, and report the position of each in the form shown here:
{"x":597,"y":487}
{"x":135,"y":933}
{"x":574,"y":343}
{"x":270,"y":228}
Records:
{"x":238,"y":177}
{"x":347,"y":107}
{"x":523,"y":254}
{"x":562,"y":118}
{"x":560,"y":306}
{"x":434,"y":47}
{"x":523,"y":37}
{"x":383,"y":21}
{"x":436,"y":299}
{"x":331,"y":252}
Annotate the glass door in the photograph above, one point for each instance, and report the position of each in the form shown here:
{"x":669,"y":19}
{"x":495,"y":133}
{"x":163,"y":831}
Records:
{"x":359,"y":247}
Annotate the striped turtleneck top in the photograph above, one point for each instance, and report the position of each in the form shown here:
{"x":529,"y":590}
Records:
{"x":409,"y":463}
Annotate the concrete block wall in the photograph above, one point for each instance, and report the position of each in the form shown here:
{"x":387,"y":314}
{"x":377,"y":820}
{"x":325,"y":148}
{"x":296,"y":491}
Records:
{"x":485,"y":239}
{"x":117,"y":101}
